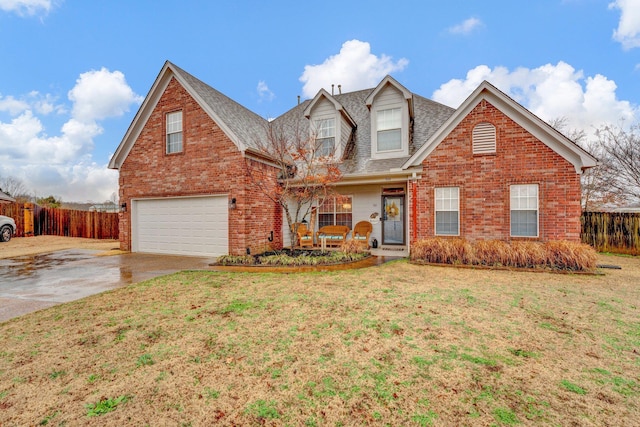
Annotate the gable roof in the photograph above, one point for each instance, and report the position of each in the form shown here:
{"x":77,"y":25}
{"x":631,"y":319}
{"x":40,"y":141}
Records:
{"x":324,"y":94}
{"x":241,"y":125}
{"x":388,"y":80}
{"x":543,"y":131}
{"x":428,"y":117}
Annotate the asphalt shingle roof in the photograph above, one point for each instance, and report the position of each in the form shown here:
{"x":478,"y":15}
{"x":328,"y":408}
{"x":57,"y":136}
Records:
{"x":429,"y":116}
{"x":250,"y":128}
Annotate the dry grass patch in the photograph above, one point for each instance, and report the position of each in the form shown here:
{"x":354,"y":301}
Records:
{"x":397,"y":344}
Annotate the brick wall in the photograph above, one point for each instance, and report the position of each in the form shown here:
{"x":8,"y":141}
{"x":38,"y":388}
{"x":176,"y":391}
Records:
{"x":484,"y":181}
{"x":209,"y":164}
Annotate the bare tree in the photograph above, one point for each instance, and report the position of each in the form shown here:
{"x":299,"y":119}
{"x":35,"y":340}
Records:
{"x":14,"y":187}
{"x":622,"y":161}
{"x":306,"y":170}
{"x":597,"y":191}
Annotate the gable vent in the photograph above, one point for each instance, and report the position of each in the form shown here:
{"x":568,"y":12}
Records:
{"x":484,"y":138}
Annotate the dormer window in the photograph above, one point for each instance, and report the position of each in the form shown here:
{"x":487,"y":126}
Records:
{"x":391,"y":107}
{"x":389,"y":129}
{"x":325,"y":137}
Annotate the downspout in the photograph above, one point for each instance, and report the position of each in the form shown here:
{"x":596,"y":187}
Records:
{"x":414,"y":209}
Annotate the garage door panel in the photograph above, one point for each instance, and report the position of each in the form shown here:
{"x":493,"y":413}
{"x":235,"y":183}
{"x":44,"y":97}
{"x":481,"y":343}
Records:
{"x":182,"y":226}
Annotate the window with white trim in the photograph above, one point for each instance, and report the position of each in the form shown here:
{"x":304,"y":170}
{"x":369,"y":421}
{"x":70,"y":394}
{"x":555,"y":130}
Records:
{"x":447,"y":211}
{"x":336,"y":211}
{"x":325,"y":137}
{"x":484,"y":138}
{"x":389,"y":127}
{"x":524,"y":210}
{"x":174,"y":132}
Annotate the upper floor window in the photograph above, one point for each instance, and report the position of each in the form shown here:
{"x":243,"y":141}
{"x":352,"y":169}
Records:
{"x":524,"y":210}
{"x":325,"y":137}
{"x":484,"y":138}
{"x":389,"y":124}
{"x":174,"y":132}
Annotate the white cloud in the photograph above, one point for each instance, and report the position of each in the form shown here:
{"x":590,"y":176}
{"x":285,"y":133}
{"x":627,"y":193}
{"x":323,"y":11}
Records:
{"x":550,"y":92}
{"x":101,"y":94}
{"x":355,"y":68}
{"x":466,"y":27}
{"x":628,"y":31}
{"x":264,"y":93}
{"x":12,"y":106}
{"x":26,"y":7}
{"x":62,"y":165}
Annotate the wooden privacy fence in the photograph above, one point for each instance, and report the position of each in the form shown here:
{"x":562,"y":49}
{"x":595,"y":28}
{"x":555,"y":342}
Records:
{"x":612,"y":231}
{"x":34,"y":220}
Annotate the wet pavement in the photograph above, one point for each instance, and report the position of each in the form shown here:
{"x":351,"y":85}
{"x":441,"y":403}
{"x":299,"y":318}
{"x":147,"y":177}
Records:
{"x":34,"y":282}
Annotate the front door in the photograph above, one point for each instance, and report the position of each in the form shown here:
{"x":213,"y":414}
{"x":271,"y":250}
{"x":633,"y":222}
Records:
{"x":393,"y":220}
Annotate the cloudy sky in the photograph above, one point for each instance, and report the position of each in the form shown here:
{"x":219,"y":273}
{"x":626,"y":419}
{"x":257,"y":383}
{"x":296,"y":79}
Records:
{"x":73,"y":73}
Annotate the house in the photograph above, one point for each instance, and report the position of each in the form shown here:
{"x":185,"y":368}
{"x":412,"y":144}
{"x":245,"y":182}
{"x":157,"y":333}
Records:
{"x":5,"y":198}
{"x":414,"y":168}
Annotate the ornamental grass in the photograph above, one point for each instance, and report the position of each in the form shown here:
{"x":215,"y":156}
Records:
{"x":553,"y":255}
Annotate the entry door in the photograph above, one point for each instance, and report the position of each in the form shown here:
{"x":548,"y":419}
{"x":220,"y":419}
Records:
{"x":393,"y":220}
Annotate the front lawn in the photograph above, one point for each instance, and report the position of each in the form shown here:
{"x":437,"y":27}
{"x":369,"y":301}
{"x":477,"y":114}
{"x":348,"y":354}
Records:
{"x":397,"y":344}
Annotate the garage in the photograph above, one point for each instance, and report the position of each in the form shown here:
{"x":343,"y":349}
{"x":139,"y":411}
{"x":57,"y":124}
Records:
{"x":195,"y":226}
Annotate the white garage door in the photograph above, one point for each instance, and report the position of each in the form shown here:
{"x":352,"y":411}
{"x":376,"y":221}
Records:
{"x":196,"y":226}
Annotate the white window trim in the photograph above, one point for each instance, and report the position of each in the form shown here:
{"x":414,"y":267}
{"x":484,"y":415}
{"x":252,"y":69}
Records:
{"x":167,"y":132}
{"x":404,"y":131}
{"x":337,"y":140}
{"x":537,"y":210}
{"x":319,"y":211}
{"x":316,"y":125}
{"x":435,"y":211}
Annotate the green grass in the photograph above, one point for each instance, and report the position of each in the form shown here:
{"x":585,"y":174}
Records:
{"x":574,"y":388}
{"x":104,"y":406}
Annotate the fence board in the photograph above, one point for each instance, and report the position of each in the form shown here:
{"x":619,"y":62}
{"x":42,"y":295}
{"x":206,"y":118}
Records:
{"x":64,"y":222}
{"x":612,"y":231}
{"x":15,"y":211}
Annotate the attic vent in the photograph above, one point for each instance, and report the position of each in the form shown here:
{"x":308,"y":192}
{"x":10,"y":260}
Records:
{"x":484,"y":138}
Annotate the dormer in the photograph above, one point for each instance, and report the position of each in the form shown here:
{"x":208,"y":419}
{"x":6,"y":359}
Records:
{"x":330,"y":125}
{"x":391,"y":110}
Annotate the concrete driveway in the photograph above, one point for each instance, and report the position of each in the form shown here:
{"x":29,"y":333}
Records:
{"x":34,"y":282}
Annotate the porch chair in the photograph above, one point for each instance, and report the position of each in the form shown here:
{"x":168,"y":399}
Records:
{"x":362,"y":232}
{"x":305,"y":236}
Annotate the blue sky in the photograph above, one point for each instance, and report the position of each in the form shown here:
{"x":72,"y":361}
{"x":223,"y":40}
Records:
{"x":74,"y":72}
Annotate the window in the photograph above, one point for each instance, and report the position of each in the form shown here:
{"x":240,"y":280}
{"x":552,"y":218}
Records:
{"x":335,"y":211}
{"x":447,"y":211}
{"x":325,"y":137}
{"x":174,"y":132}
{"x":484,"y":138}
{"x":389,"y":123}
{"x":524,"y":210}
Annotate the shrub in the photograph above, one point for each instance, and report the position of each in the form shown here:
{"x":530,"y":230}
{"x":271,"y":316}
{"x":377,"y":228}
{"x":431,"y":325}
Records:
{"x":236,"y":260}
{"x":446,"y":251}
{"x":565,"y":255}
{"x":493,"y":253}
{"x":557,"y":255}
{"x":352,"y":247}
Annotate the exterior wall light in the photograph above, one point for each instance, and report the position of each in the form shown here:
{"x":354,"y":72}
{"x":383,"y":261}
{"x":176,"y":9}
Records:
{"x":123,"y":207}
{"x":232,"y":203}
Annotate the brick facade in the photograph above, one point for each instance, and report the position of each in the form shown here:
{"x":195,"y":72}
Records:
{"x":210,"y":164}
{"x":484,"y":181}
